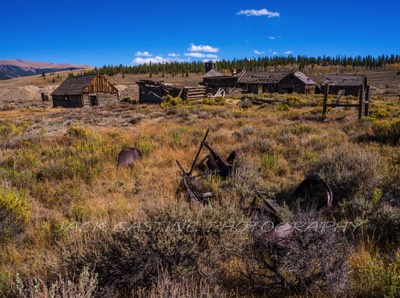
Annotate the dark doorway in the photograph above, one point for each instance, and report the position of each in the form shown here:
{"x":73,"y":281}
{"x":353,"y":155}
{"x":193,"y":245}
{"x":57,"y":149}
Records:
{"x":93,"y":100}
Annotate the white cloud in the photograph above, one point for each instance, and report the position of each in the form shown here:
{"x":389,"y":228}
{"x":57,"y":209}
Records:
{"x":271,"y":37}
{"x":201,"y":55}
{"x":195,"y":55}
{"x":288,"y":52}
{"x":202,"y":48}
{"x":275,"y":53}
{"x":212,"y":56}
{"x":258,"y":52}
{"x":153,"y":60}
{"x":143,"y":54}
{"x":173,"y":55}
{"x":259,"y":13}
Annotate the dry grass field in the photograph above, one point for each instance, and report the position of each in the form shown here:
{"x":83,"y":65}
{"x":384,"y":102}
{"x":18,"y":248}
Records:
{"x":70,"y":222}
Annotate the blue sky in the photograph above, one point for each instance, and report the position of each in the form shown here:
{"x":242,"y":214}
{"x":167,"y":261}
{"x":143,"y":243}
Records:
{"x":129,"y":32}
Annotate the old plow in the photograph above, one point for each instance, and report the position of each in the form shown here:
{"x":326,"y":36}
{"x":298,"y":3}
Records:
{"x":213,"y":163}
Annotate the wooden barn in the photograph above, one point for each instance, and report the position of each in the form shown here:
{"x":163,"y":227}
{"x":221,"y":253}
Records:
{"x":80,"y":91}
{"x":280,"y":82}
{"x":350,"y":85}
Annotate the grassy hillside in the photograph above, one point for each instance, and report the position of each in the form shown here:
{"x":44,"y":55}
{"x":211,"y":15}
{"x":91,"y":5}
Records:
{"x":70,"y":221}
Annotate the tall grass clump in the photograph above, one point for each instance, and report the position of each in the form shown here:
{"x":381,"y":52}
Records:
{"x":181,"y":244}
{"x":64,"y":287}
{"x":349,"y":169}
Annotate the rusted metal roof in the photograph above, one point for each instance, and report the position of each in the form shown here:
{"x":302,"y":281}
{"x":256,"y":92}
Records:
{"x":74,"y":85}
{"x":343,"y":80}
{"x":213,"y":73}
{"x":306,"y":80}
{"x":252,"y":77}
{"x":77,"y":85}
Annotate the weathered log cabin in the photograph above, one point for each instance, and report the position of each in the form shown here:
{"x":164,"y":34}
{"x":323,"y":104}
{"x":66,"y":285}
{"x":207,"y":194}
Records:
{"x":260,"y":82}
{"x":80,"y":91}
{"x":213,"y":80}
{"x":280,"y":82}
{"x":349,"y":84}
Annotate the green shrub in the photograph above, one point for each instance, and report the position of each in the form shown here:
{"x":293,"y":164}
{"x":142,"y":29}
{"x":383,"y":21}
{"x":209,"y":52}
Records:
{"x":14,"y":212}
{"x":296,"y":101}
{"x":282,"y":107}
{"x":14,"y":202}
{"x":349,"y":169}
{"x":379,"y":113}
{"x":268,"y":162}
{"x":246,"y":103}
{"x":387,"y":131}
{"x":171,"y":101}
{"x":375,"y":276}
{"x":367,"y":119}
{"x":77,"y":131}
{"x":216,"y":101}
{"x":144,"y":147}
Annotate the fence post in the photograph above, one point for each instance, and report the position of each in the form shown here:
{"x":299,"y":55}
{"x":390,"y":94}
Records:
{"x":361,"y":103}
{"x":326,"y":93}
{"x":367,"y":100}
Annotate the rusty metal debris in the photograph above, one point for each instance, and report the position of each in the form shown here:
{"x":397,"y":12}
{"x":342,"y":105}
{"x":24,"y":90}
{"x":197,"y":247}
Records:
{"x":128,"y":156}
{"x":313,"y":192}
{"x":312,"y":195}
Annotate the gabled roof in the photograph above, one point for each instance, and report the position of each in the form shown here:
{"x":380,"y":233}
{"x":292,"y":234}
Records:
{"x":252,"y":77}
{"x":74,"y":85}
{"x":213,"y":73}
{"x":306,"y":80}
{"x":340,"y":80}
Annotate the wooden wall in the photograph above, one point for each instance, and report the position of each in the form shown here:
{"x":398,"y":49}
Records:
{"x":100,"y":85}
{"x":68,"y":101}
{"x":348,"y":90}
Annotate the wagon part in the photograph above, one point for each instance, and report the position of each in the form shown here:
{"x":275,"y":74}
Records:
{"x":195,"y":188}
{"x":127,"y":157}
{"x":313,"y":192}
{"x":198,"y":152}
{"x":218,"y":164}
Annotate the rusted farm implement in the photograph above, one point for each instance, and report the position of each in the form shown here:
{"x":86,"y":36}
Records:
{"x":311,"y":194}
{"x":211,"y":164}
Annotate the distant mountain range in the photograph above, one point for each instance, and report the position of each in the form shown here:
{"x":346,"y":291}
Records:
{"x":15,"y":68}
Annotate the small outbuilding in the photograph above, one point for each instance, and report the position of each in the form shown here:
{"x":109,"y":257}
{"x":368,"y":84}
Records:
{"x":349,"y":84}
{"x":298,"y":82}
{"x":80,"y":91}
